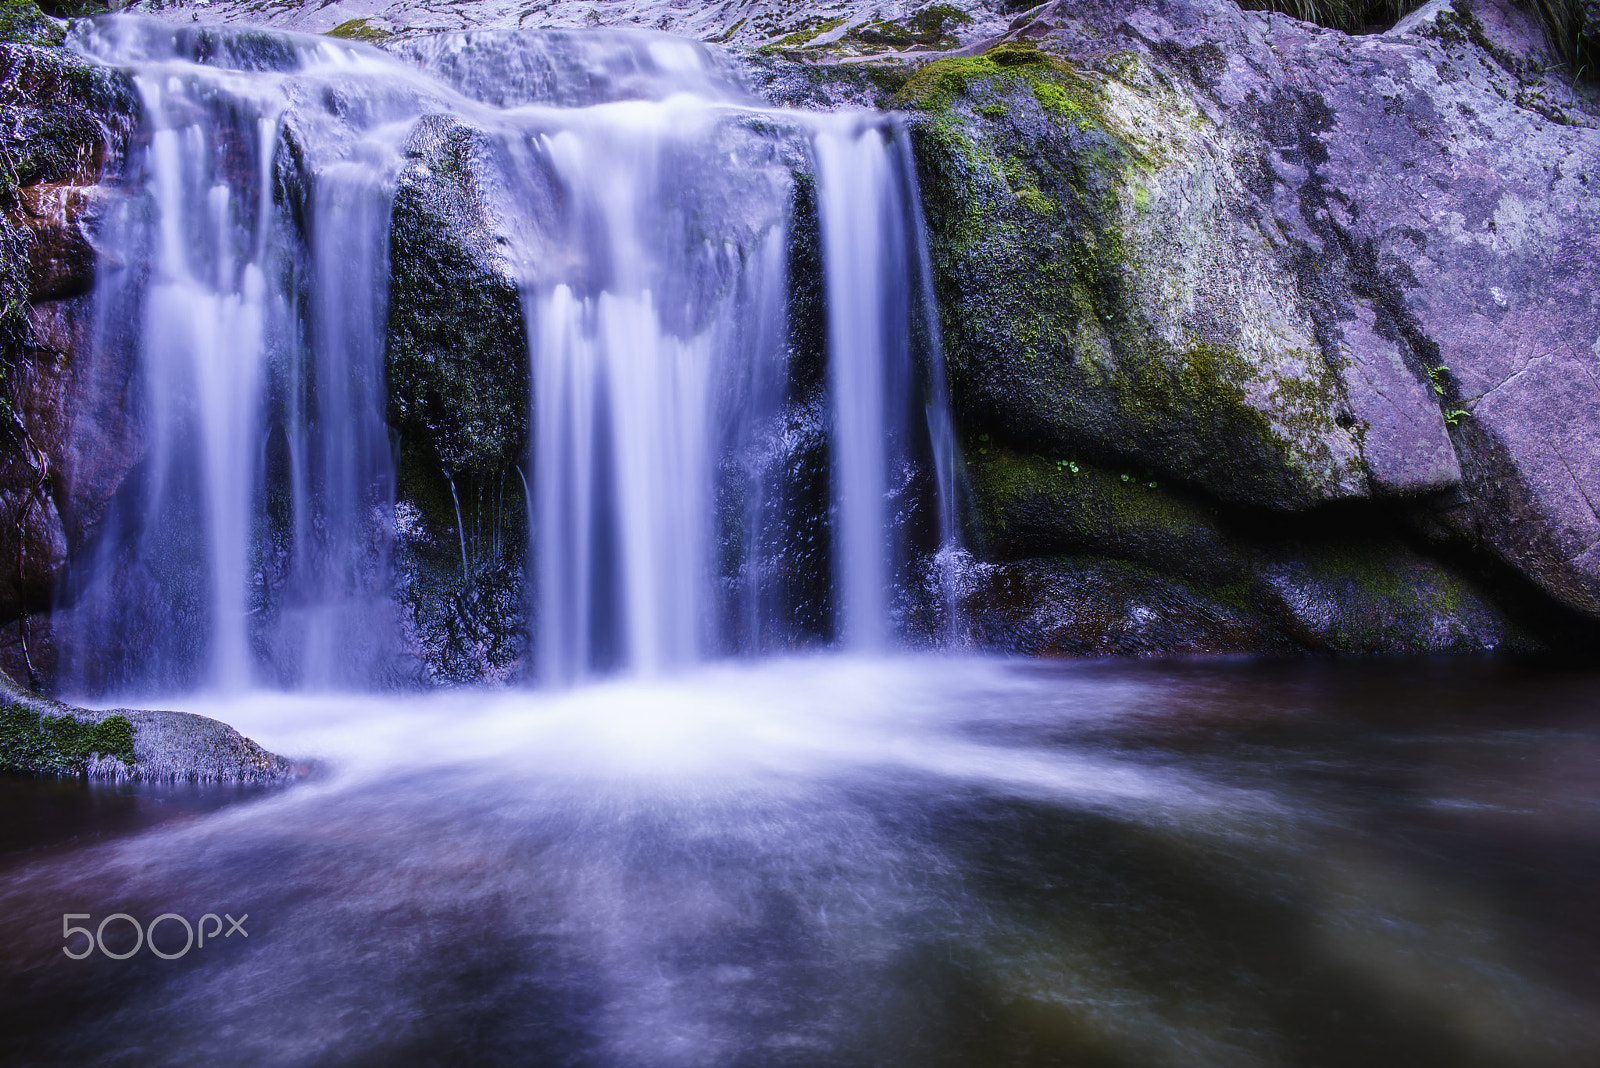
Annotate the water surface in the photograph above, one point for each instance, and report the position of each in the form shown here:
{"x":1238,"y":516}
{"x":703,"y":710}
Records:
{"x":854,"y":861}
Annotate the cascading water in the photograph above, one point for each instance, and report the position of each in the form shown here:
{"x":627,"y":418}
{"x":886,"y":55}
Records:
{"x":681,"y":426}
{"x":249,"y":548}
{"x":738,"y":442}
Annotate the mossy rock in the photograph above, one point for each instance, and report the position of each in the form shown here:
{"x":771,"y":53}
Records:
{"x":21,"y":22}
{"x":59,"y":745}
{"x":1091,"y":606}
{"x":1087,"y":310}
{"x":1382,"y":598}
{"x":457,"y":348}
{"x":1027,"y":505}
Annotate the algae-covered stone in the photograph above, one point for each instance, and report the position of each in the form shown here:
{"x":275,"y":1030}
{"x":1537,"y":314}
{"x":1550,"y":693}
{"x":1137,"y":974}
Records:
{"x":62,"y":744}
{"x":1028,"y":505}
{"x":360,"y":30}
{"x":43,"y":737}
{"x":1093,"y":290}
{"x":21,"y":22}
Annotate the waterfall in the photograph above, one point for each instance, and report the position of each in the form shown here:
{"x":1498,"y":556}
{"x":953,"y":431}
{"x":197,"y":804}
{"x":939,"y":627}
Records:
{"x":714,"y":467}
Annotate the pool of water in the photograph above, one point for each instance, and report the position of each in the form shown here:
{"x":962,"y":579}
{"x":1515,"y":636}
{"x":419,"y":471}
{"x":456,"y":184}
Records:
{"x":834,"y":861}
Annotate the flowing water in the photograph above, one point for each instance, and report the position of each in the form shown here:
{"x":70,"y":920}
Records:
{"x":853,"y":861}
{"x":647,"y":209}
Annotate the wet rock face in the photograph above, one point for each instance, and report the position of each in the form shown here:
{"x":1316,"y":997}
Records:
{"x":66,"y":434}
{"x":457,"y":347}
{"x":457,"y":364}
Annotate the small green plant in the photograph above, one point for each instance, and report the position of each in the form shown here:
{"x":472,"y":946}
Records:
{"x":1453,"y":416}
{"x":1437,"y":377}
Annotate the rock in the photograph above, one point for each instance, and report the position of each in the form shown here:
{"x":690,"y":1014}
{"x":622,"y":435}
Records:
{"x":457,"y":363}
{"x":457,"y":356}
{"x":63,"y":218}
{"x":1088,"y":606}
{"x":66,"y":426}
{"x":46,"y":737}
{"x":21,"y":22}
{"x":848,"y":28}
{"x":1238,"y":580}
{"x":1281,"y":265}
{"x":1095,"y":288}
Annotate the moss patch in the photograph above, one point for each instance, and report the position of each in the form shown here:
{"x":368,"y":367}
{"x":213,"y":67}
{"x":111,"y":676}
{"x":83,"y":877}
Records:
{"x":359,"y":30}
{"x":938,"y":85}
{"x":1030,"y":504}
{"x":59,"y":745}
{"x":21,"y":22}
{"x":800,"y":38}
{"x":1039,"y":190}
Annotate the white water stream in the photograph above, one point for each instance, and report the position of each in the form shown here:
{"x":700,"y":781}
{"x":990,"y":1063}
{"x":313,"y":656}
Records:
{"x":647,"y":208}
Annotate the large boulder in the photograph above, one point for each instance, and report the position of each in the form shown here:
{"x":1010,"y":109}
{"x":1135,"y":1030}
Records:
{"x":1281,"y":266}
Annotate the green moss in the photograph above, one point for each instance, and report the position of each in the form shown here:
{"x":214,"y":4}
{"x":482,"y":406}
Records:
{"x":359,"y":30}
{"x":1087,"y":504}
{"x":933,"y":20}
{"x":727,"y":35}
{"x":1204,"y":382}
{"x":58,"y":745}
{"x":804,"y":36}
{"x":1057,"y":101}
{"x":21,"y":22}
{"x":1306,"y":406}
{"x":890,"y":77}
{"x":1063,"y":92}
{"x":1036,"y":202}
